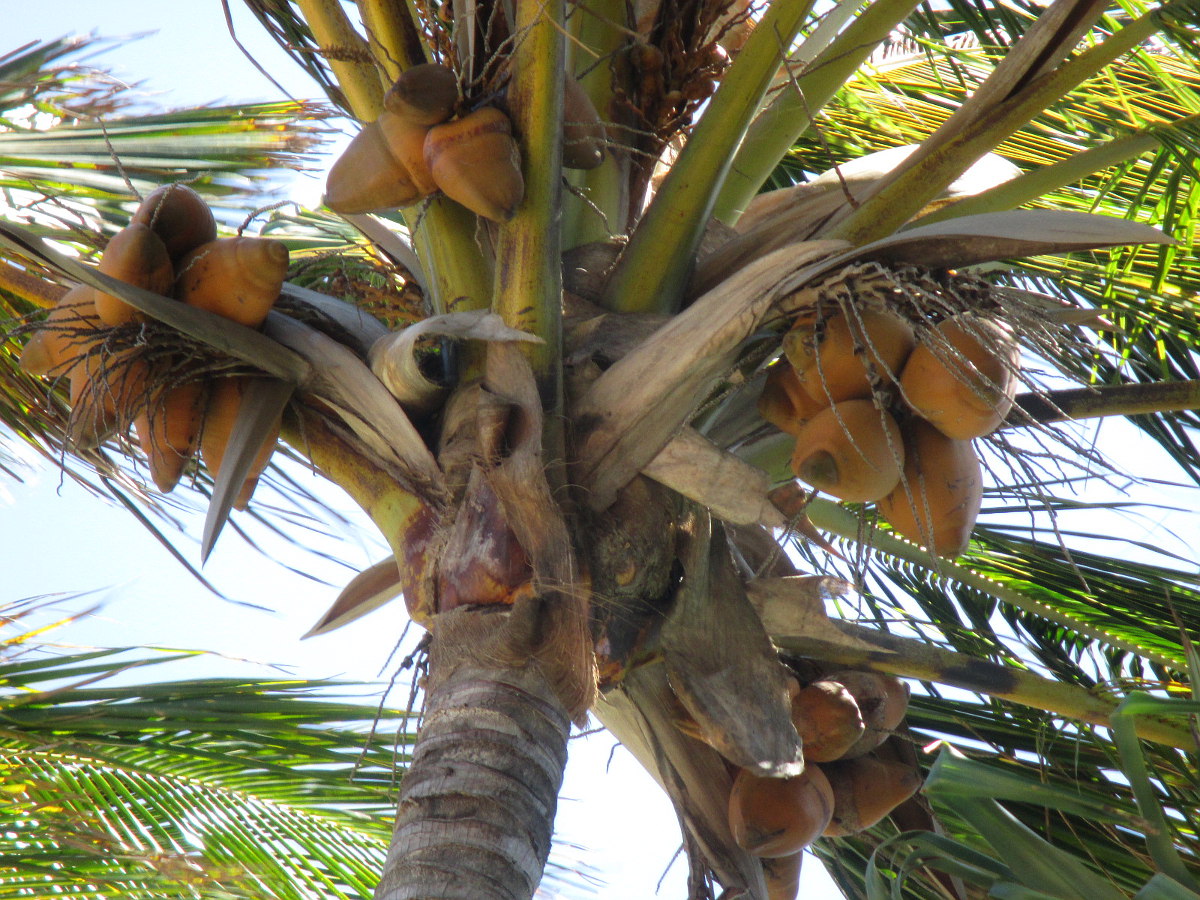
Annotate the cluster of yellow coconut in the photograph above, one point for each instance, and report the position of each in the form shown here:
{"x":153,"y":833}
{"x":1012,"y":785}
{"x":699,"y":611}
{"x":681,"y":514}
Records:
{"x":171,"y":248}
{"x":885,"y":412}
{"x":847,"y":784}
{"x":415,"y":148}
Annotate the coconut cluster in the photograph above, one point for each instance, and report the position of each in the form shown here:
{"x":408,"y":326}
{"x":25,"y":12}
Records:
{"x":884,"y":408}
{"x":170,"y":248}
{"x":848,"y":783}
{"x":415,"y":148}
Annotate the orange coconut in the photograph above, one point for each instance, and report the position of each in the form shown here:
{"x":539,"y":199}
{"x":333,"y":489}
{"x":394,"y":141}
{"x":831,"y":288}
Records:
{"x":848,"y":353}
{"x":167,"y":430}
{"x":782,"y":876}
{"x":962,"y":378}
{"x":938,"y":498}
{"x":137,"y":256}
{"x":68,"y":332}
{"x":850,"y":450}
{"x":224,"y":404}
{"x":238,"y":278}
{"x":783,"y":402}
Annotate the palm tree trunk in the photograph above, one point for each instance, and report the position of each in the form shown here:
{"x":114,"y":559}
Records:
{"x":477,"y":803}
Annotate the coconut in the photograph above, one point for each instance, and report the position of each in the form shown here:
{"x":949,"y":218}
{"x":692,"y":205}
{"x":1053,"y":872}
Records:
{"x":962,"y":378}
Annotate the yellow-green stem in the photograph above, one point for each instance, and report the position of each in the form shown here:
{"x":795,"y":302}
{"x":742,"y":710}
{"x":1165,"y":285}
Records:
{"x":403,"y":520}
{"x":652,"y":273}
{"x":348,"y":56}
{"x":392,"y":36}
{"x":528,"y":290}
{"x":603,"y":208}
{"x":38,"y":291}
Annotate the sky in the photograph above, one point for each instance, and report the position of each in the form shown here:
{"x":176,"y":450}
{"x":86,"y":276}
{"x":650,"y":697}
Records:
{"x":139,"y":595}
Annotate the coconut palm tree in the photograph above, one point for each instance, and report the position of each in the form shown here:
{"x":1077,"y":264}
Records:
{"x":641,"y":232}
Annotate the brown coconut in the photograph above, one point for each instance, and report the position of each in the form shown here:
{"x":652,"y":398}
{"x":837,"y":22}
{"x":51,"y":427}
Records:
{"x":779,"y":816}
{"x":475,"y":161}
{"x":938,"y":498}
{"x":850,"y":450}
{"x":367,"y":177}
{"x":179,"y":216}
{"x":962,"y":378}
{"x":865,"y":790}
{"x":882,"y":700}
{"x":584,"y":135}
{"x":828,"y":720}
{"x":424,"y":94}
{"x":406,"y":142}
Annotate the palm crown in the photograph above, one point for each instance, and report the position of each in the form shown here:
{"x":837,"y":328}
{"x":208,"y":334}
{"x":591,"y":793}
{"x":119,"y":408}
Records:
{"x":585,"y":490}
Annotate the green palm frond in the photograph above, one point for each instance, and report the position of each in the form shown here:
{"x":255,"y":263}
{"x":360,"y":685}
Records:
{"x":210,"y":787}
